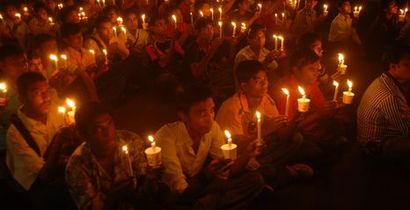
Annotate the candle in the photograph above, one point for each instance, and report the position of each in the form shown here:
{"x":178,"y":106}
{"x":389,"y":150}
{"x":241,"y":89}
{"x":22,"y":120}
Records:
{"x":115,"y":31}
{"x":282,"y":43}
{"x":220,"y":13}
{"x":276,"y":18}
{"x":18,"y":16}
{"x":54,"y":58}
{"x":356,"y":11}
{"x":103,"y":1}
{"x":93,"y":53}
{"x":192,"y":18}
{"x":70,"y":114}
{"x":62,"y":110}
{"x":50,"y":20}
{"x":127,"y":156}
{"x":275,"y":37}
{"x":259,"y":130}
{"x":341,"y":66}
{"x":336,"y":84}
{"x":234,"y":29}
{"x":120,"y":21}
{"x":220,"y":29}
{"x":283,"y":17}
{"x":105,"y":56}
{"x":348,"y":95}
{"x":243,"y":27}
{"x":286,"y":92}
{"x":402,"y":15}
{"x":153,"y":154}
{"x":64,"y":58}
{"x":3,"y":98}
{"x":1,"y":17}
{"x":174,"y":17}
{"x":229,"y":149}
{"x":325,"y":11}
{"x":143,"y":18}
{"x":60,"y":6}
{"x":25,"y":9}
{"x":212,"y":13}
{"x":201,"y":13}
{"x":259,"y":6}
{"x":303,"y":103}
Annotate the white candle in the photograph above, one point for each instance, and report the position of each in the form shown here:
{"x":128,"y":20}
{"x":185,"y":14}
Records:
{"x":93,"y":53}
{"x":259,"y":129}
{"x":212,"y":13}
{"x":283,"y":17}
{"x":105,"y":55}
{"x":153,"y":154}
{"x":220,"y":13}
{"x":62,"y":110}
{"x":220,"y":29}
{"x":260,"y":6}
{"x":71,"y":114}
{"x":3,"y":89}
{"x":282,"y":43}
{"x":325,"y":11}
{"x":18,"y":16}
{"x":234,"y":29}
{"x":127,"y":156}
{"x":64,"y":58}
{"x":143,"y":18}
{"x":174,"y":17}
{"x":50,"y":21}
{"x":402,"y":15}
{"x":348,"y":95}
{"x":303,"y":103}
{"x":192,"y":18}
{"x":201,"y":13}
{"x":341,"y":66}
{"x":286,"y":92}
{"x":336,"y":84}
{"x":275,"y":37}
{"x":229,"y":149}
{"x":54,"y":58}
{"x":120,"y":21}
{"x":115,"y":31}
{"x":60,"y":6}
{"x":276,"y":18}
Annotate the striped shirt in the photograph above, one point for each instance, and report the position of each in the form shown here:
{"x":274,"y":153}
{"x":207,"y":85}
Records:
{"x":382,"y":111}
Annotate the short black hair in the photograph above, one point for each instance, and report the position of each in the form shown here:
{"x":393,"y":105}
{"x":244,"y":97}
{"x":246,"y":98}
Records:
{"x":40,"y":39}
{"x":191,"y":95}
{"x":10,"y":50}
{"x":87,"y":113}
{"x":303,"y":57}
{"x":38,"y":6}
{"x":28,"y":79}
{"x":395,"y":54}
{"x":65,"y":12}
{"x":341,"y":2}
{"x":202,"y":23}
{"x":102,"y":20}
{"x":69,"y":29}
{"x":253,"y":30}
{"x":307,"y":39}
{"x":247,"y":69}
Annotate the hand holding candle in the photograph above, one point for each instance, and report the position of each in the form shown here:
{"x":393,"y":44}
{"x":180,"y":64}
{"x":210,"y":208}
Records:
{"x":3,"y":97}
{"x":229,"y":149}
{"x":348,"y":95}
{"x":153,"y":154}
{"x":303,"y":103}
{"x":341,"y":66}
{"x":70,"y":114}
{"x":325,"y":11}
{"x":234,"y":29}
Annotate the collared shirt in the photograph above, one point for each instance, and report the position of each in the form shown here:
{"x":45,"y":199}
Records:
{"x":22,"y":160}
{"x":313,"y":92}
{"x":235,"y":115}
{"x":139,"y":39}
{"x":82,"y":59}
{"x":178,"y":156}
{"x":247,"y":53}
{"x":382,"y":111}
{"x":89,"y":183}
{"x":341,"y":29}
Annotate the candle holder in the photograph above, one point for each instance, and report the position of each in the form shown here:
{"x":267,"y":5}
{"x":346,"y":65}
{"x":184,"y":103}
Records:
{"x":229,"y":149}
{"x":303,"y":104}
{"x":153,"y":154}
{"x":348,"y":97}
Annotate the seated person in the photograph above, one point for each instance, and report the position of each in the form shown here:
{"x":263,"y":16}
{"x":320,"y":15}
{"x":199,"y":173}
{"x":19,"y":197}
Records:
{"x":186,"y":146}
{"x":40,"y":23}
{"x":44,"y":45}
{"x":98,"y":173}
{"x":383,"y":115}
{"x":137,"y":38}
{"x":341,"y":28}
{"x":32,"y":152}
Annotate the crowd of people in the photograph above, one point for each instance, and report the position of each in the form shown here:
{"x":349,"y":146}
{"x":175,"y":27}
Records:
{"x":243,"y":66}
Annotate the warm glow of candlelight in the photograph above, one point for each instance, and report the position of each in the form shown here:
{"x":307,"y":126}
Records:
{"x":3,"y":87}
{"x":63,"y":56}
{"x":201,"y":13}
{"x":62,"y":109}
{"x":285,"y":91}
{"x":53,"y":57}
{"x":119,"y":20}
{"x":325,"y":7}
{"x":341,"y":58}
{"x":123,"y":29}
{"x":143,"y":18}
{"x":17,"y":15}
{"x":233,"y":24}
{"x":302,"y":91}
{"x":228,"y":136}
{"x":260,"y":6}
{"x":335,"y":83}
{"x":70,"y":103}
{"x":174,"y":17}
{"x":91,"y":51}
{"x":152,"y":140}
{"x":258,"y":116}
{"x":105,"y":52}
{"x":350,"y":85}
{"x":125,"y":149}
{"x":50,"y":19}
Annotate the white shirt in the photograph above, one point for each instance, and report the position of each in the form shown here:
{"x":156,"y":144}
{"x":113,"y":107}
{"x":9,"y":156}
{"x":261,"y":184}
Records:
{"x":341,"y":29}
{"x":22,"y":161}
{"x":178,"y":156}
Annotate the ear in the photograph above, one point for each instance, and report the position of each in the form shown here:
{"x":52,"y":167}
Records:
{"x":243,"y":86}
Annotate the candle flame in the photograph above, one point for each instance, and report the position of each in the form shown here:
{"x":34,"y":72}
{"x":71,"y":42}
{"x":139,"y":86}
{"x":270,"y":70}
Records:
{"x":50,"y":19}
{"x":281,"y":37}
{"x":233,"y":24}
{"x":283,"y":14}
{"x":3,"y":87}
{"x":25,"y":9}
{"x":301,"y":91}
{"x":143,"y":16}
{"x":211,"y":10}
{"x":201,"y":13}
{"x":228,"y":134}
{"x":114,"y":28}
{"x":91,"y":51}
{"x":53,"y":57}
{"x":260,"y":6}
{"x":151,"y":139}
{"x":17,"y":15}
{"x":325,"y":6}
{"x":123,"y":29}
{"x":220,"y":23}
{"x":125,"y":148}
{"x":105,"y":52}
{"x":119,"y":20}
{"x":285,"y":91}
{"x":220,"y":9}
{"x":275,"y":36}
{"x":276,"y":15}
{"x":258,"y":116}
{"x":401,"y":11}
{"x":70,"y":102}
{"x":63,"y":56}
{"x":243,"y":26}
{"x":349,"y":84}
{"x":335,"y":83}
{"x":340,"y":57}
{"x":61,"y":109}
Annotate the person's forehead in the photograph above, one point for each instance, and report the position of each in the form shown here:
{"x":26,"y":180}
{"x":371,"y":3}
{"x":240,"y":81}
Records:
{"x":201,"y":105}
{"x":102,"y":119}
{"x":39,"y":85}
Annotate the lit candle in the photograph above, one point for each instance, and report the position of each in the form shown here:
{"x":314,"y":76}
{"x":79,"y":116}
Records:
{"x":103,"y":1}
{"x":1,"y":17}
{"x":60,"y":6}
{"x":54,"y":58}
{"x":115,"y":31}
{"x":25,"y":9}
{"x":212,"y":13}
{"x":259,"y":130}
{"x":276,"y":18}
{"x":70,"y":114}
{"x":50,"y":20}
{"x":92,"y":53}
{"x":356,"y":11}
{"x":275,"y":37}
{"x":243,"y":27}
{"x":325,"y":11}
{"x":259,"y":6}
{"x":303,"y":103}
{"x":120,"y":21}
{"x":402,"y":15}
{"x":229,"y":149}
{"x":192,"y":18}
{"x":174,"y":17}
{"x":234,"y":29}
{"x":127,"y":156}
{"x":220,"y":13}
{"x":3,"y":98}
{"x":336,"y":84}
{"x":348,"y":95}
{"x":143,"y":18}
{"x":153,"y":154}
{"x":105,"y":56}
{"x":62,"y":110}
{"x":283,"y":17}
{"x":286,"y":92}
{"x":201,"y":13}
{"x":220,"y":29}
{"x":341,"y":66}
{"x":18,"y":16}
{"x":282,"y":43}
{"x":64,"y":58}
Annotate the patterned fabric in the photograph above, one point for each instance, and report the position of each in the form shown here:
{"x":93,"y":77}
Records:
{"x":87,"y":180}
{"x":383,"y":111}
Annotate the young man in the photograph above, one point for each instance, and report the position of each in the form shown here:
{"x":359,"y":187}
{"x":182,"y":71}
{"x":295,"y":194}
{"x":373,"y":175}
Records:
{"x":98,"y":173}
{"x":341,"y":29}
{"x":137,"y":38}
{"x":186,"y":146}
{"x":32,"y":152}
{"x":306,"y":19}
{"x":44,"y":45}
{"x":383,"y":115}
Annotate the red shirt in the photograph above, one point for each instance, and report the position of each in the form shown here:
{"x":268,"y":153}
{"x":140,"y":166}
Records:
{"x":313,"y":92}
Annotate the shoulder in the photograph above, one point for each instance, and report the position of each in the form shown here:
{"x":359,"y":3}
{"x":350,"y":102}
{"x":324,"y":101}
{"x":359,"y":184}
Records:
{"x":231,"y":103}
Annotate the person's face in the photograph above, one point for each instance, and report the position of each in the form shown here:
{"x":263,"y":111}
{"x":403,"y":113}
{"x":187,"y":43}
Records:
{"x":160,"y":27}
{"x":75,"y":41}
{"x":392,"y":8}
{"x":10,"y":11}
{"x":105,"y":30}
{"x":207,"y":32}
{"x":36,"y":65}
{"x":42,"y":14}
{"x":205,"y":9}
{"x":244,"y":5}
{"x":317,"y":48}
{"x":102,"y":132}
{"x":112,"y":14}
{"x":401,"y":70}
{"x":258,"y":41}
{"x":51,"y":4}
{"x":37,"y":98}
{"x":14,"y":66}
{"x":309,"y":73}
{"x":346,"y":8}
{"x":311,"y":4}
{"x":72,"y":17}
{"x":132,"y":21}
{"x":200,"y":116}
{"x":257,"y":86}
